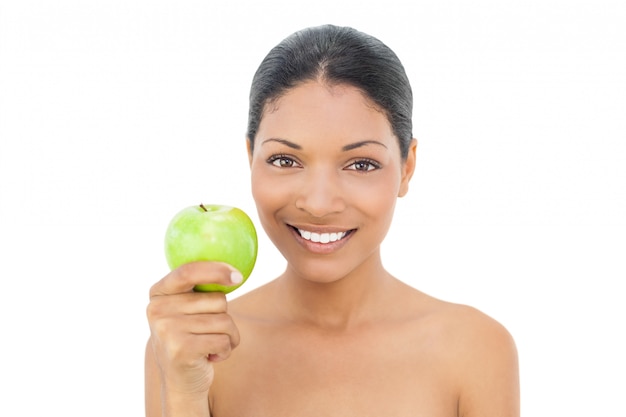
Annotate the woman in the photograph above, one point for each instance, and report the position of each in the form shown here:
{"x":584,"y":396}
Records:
{"x":331,"y":149}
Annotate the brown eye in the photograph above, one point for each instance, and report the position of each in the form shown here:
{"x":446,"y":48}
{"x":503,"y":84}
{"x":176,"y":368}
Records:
{"x":282,"y":161}
{"x":363,"y":165}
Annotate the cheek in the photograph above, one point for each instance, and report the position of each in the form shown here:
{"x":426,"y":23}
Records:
{"x":271,"y":199}
{"x":267,"y":195}
{"x":259,"y":190}
{"x":376,"y":192}
{"x":377,"y":200}
{"x":382,"y":207}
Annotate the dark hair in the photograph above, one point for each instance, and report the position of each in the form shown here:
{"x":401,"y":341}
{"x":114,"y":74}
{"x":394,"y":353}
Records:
{"x":336,"y":55}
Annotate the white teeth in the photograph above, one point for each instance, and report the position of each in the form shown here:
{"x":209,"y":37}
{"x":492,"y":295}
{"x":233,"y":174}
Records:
{"x":321,"y":237}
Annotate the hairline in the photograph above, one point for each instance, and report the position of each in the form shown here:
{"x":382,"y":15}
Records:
{"x":329,"y":83}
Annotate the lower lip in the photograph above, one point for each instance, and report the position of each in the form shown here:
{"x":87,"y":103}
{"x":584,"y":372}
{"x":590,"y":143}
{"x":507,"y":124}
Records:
{"x":321,"y":248}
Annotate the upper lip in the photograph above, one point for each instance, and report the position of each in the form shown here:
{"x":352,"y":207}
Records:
{"x":320,"y":228}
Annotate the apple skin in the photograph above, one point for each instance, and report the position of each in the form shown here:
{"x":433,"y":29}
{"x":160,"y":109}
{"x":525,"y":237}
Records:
{"x":212,"y":233}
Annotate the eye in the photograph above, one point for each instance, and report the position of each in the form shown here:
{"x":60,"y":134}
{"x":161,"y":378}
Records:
{"x":282,"y":161}
{"x":363,"y":165}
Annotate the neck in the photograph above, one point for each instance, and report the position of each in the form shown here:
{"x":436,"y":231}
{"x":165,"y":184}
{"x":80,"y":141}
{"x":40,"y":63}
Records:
{"x":341,"y":304}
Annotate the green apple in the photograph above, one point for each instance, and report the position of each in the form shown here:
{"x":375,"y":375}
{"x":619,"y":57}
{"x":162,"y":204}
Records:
{"x":212,"y":233}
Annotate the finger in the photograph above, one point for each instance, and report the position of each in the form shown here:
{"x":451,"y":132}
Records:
{"x":201,"y":303}
{"x":184,"y":278}
{"x":186,"y":304}
{"x":197,"y":335}
{"x":220,"y":324}
{"x":212,"y":347}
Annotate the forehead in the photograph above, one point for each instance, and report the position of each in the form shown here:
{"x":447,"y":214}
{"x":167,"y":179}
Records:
{"x":315,"y":109}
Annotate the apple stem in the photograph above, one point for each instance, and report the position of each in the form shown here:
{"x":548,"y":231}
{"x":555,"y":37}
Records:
{"x":202,"y":207}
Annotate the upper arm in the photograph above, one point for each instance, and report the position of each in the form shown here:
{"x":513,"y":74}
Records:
{"x":489,"y":371}
{"x":152,"y":384}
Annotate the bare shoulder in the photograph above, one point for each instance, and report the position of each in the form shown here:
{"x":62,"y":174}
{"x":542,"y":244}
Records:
{"x":476,"y":331}
{"x":470,"y":334}
{"x":483,"y":355}
{"x":465,"y":324}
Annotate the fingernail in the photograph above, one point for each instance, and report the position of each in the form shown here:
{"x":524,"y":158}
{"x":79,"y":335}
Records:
{"x":236,"y":277}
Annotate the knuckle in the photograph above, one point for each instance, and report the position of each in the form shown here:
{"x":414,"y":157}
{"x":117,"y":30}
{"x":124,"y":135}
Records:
{"x":158,"y":307}
{"x":221,"y":344}
{"x":218,"y":300}
{"x":152,"y":310}
{"x":153,"y":289}
{"x":184,"y":272}
{"x":161,"y":329}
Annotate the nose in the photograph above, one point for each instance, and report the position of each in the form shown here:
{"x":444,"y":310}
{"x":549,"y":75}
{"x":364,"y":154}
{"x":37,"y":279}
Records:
{"x":320,"y":194}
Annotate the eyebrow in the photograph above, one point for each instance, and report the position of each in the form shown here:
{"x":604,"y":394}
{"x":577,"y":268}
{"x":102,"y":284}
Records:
{"x":345,"y":148}
{"x":284,"y":142}
{"x":362,"y":143}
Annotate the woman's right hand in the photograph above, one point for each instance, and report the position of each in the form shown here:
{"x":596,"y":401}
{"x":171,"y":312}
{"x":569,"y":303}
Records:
{"x":188,"y":331}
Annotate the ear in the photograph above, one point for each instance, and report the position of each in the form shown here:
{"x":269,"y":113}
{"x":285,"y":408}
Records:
{"x":249,"y":149}
{"x":408,"y":169}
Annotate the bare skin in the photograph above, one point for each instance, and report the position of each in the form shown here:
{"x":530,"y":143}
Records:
{"x":335,"y":334}
{"x":407,"y":355}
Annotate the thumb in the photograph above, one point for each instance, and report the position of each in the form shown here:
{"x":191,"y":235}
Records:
{"x":186,"y":277}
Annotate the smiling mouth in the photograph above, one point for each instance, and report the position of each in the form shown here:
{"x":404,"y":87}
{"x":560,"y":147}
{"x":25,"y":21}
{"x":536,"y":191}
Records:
{"x":317,"y":237}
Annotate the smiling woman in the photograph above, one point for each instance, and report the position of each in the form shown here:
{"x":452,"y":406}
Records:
{"x":336,"y":149}
{"x":331,"y":150}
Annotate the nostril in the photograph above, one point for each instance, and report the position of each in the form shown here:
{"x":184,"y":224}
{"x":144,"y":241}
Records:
{"x":321,"y":201}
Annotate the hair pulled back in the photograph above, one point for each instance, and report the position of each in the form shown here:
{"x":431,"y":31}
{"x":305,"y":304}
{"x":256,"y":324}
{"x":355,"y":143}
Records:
{"x":335,"y":55}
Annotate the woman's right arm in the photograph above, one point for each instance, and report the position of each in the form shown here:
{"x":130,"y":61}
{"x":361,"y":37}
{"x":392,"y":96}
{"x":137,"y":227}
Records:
{"x":188,"y":331}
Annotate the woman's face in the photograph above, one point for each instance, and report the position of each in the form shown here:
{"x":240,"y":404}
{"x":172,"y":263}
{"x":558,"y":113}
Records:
{"x":326,"y":171}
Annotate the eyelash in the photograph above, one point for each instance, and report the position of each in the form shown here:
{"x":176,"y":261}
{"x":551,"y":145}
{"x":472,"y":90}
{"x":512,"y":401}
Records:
{"x":367,"y":162}
{"x":274,"y":159}
{"x":278,"y":159}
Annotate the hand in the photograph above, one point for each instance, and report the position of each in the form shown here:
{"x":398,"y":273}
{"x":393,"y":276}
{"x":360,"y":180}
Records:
{"x":190,"y":330}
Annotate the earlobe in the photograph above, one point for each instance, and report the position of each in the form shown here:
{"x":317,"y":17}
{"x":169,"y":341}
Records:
{"x":408,"y":169}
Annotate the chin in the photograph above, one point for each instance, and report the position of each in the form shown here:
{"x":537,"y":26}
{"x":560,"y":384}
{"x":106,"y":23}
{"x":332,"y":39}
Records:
{"x":318,"y":272}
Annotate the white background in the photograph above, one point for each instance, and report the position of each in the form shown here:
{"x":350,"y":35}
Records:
{"x":116,"y":114}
